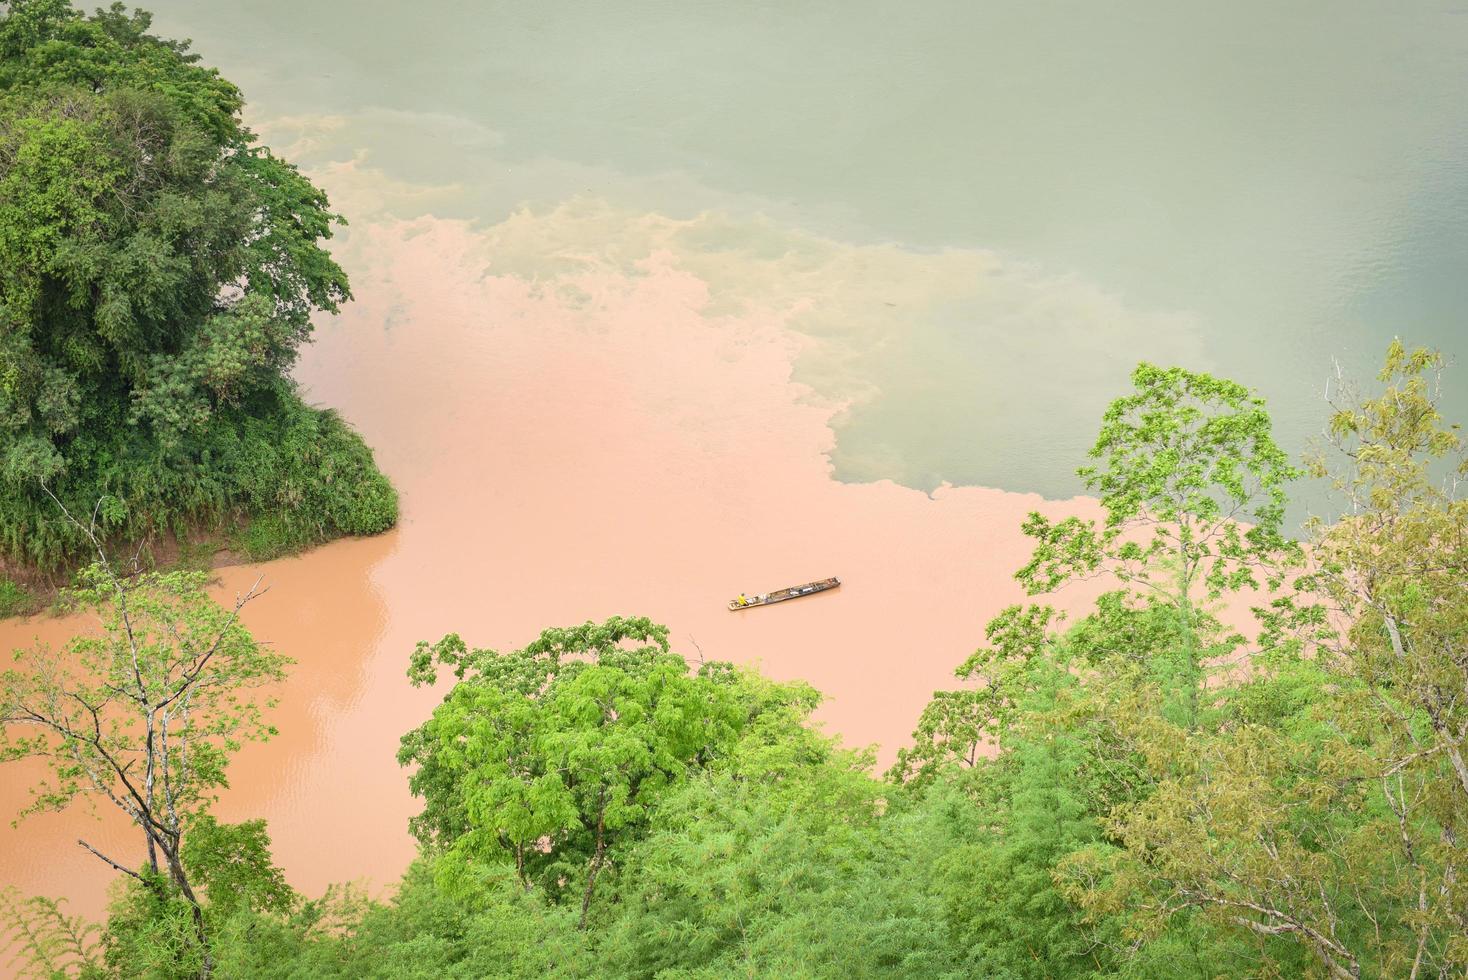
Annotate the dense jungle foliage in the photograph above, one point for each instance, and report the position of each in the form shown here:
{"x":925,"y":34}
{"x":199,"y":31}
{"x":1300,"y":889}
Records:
{"x":158,"y":273}
{"x":1150,"y":790}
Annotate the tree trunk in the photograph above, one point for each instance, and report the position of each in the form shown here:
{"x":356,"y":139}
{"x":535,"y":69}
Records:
{"x":1190,"y":643}
{"x":596,"y":859}
{"x":176,"y":872}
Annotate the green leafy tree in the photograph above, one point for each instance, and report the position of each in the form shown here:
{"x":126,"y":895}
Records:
{"x":158,"y":274}
{"x":234,"y":866}
{"x":1250,"y":829}
{"x":143,"y":716}
{"x":742,"y":876}
{"x":151,"y":930}
{"x":1194,"y":489}
{"x":552,"y":756}
{"x":773,"y":861}
{"x":1056,"y":771}
{"x":958,"y":726}
{"x":1034,"y":804}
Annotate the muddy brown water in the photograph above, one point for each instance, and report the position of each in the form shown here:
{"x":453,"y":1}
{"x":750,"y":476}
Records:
{"x":567,"y":449}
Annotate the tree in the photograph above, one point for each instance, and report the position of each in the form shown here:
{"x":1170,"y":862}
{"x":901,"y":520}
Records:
{"x":1253,"y":825}
{"x":1193,"y":485}
{"x":151,"y":931}
{"x":1395,"y":565}
{"x":143,"y":716}
{"x":1321,"y":815}
{"x":1182,"y":464}
{"x":550,"y":757}
{"x":1056,"y":769}
{"x":1036,"y":803}
{"x":804,"y":876}
{"x":957,"y":726}
{"x":158,"y":273}
{"x":1394,"y":570}
{"x":771,"y":860}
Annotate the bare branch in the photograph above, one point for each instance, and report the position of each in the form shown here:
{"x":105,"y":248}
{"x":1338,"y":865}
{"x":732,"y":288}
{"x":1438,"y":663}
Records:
{"x":126,"y":871}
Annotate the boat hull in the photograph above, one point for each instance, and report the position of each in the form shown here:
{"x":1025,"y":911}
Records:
{"x":782,"y":595}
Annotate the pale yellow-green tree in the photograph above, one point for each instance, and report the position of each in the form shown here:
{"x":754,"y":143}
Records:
{"x":142,"y":716}
{"x":1324,"y":813}
{"x":1394,"y":568}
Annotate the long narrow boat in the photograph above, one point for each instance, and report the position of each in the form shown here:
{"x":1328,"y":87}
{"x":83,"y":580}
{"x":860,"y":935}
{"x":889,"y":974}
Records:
{"x":780,"y":595}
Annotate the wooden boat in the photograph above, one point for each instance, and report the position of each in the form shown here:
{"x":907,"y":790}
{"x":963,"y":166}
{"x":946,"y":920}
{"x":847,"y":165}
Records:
{"x":780,"y":595}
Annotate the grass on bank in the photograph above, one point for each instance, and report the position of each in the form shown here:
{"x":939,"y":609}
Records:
{"x":270,"y":478}
{"x":15,"y":598}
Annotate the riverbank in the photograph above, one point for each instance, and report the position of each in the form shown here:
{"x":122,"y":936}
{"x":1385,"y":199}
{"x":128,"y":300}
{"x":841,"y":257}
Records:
{"x":30,"y":591}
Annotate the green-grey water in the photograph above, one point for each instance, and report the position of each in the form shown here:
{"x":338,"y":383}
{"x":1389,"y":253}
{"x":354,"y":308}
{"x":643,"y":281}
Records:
{"x":983,"y":212}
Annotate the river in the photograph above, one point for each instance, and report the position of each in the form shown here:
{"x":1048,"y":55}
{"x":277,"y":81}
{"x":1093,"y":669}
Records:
{"x":660,"y":302}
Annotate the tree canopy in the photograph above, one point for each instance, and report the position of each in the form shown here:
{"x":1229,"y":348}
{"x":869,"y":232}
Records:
{"x":159,"y":269}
